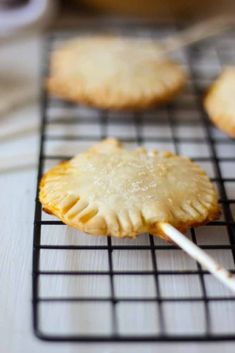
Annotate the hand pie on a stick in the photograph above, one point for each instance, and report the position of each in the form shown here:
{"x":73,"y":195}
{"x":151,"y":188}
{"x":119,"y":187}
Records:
{"x":220,"y":102}
{"x":112,"y":72}
{"x":108,"y":190}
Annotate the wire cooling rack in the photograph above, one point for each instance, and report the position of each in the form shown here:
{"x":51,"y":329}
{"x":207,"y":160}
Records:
{"x":98,"y":289}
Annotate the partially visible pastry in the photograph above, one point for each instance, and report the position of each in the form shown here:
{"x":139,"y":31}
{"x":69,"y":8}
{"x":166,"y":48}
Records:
{"x":108,"y":190}
{"x":112,"y":72}
{"x":220,"y":102}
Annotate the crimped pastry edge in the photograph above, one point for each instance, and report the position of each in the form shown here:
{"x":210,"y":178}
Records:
{"x":213,"y":212}
{"x":103,"y":98}
{"x":223,"y":122}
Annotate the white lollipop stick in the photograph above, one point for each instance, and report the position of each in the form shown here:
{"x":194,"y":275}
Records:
{"x":199,"y":255}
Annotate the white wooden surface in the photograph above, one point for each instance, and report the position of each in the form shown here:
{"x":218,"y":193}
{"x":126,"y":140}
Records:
{"x":16,"y":219}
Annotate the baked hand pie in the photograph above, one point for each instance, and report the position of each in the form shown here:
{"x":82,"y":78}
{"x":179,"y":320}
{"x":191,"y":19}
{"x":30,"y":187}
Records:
{"x":108,"y":190}
{"x":220,"y":102}
{"x":112,"y":72}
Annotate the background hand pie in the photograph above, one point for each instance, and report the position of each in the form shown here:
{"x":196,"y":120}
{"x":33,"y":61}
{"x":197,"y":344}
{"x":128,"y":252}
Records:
{"x":112,"y":72}
{"x":220,"y":103}
{"x":108,"y":190}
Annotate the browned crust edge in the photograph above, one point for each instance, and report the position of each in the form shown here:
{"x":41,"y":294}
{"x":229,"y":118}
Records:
{"x":154,"y":229}
{"x":100,"y":99}
{"x":222,"y":122}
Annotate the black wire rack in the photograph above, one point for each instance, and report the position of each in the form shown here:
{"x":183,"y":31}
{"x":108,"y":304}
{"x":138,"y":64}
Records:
{"x":181,"y":126}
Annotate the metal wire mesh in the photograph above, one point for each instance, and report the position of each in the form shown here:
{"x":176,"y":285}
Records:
{"x":109,"y":308}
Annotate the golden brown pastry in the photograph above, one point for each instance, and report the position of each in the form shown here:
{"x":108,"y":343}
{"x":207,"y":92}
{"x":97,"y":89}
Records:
{"x":113,"y":73}
{"x":220,"y":102}
{"x":108,"y":190}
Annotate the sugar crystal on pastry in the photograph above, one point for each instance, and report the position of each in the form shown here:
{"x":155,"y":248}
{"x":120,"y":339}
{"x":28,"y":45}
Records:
{"x":108,"y":190}
{"x":112,"y":72}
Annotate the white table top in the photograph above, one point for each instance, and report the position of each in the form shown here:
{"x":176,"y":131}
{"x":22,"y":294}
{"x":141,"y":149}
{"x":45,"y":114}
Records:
{"x":17,"y":205}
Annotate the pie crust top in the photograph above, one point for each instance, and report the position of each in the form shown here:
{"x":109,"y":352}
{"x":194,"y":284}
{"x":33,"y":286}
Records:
{"x":220,"y":102}
{"x":108,"y":190}
{"x":112,"y":72}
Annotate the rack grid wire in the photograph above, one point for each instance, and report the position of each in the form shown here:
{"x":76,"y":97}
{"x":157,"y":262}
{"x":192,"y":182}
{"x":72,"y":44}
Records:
{"x":181,"y":126}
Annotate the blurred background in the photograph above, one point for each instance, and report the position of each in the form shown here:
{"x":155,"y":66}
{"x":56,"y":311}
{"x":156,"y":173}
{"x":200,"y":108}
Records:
{"x":163,"y":10}
{"x":22,"y":23}
{"x":25,"y":18}
{"x":24,"y":12}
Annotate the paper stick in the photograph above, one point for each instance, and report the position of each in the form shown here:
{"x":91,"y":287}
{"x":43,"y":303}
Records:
{"x":224,"y":276}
